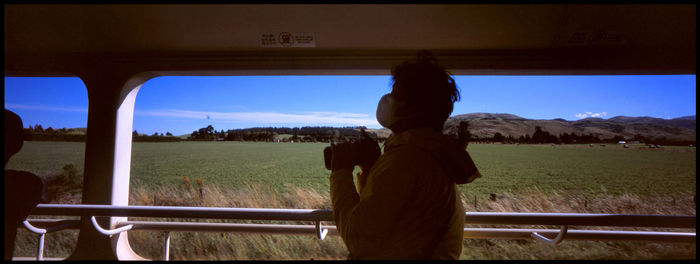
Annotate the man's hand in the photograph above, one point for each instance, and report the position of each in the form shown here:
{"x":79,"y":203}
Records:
{"x":342,"y":157}
{"x":364,"y":153}
{"x":369,"y":151}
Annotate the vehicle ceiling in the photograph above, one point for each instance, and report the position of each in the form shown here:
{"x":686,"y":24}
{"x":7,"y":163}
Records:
{"x":70,"y":40}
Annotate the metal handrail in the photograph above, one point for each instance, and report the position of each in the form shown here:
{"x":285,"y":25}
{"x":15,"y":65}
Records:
{"x":228,"y":227}
{"x":600,"y":235}
{"x":576,"y":219}
{"x":185,"y":212}
{"x":469,"y":233}
{"x":42,"y":235}
{"x":52,"y":225}
{"x":109,"y":232}
{"x":560,"y":236}
{"x":319,"y":215}
{"x":57,"y":225}
{"x":558,"y":219}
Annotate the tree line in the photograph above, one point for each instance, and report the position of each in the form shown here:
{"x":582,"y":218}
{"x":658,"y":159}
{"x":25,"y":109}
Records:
{"x":156,"y":137}
{"x":540,"y":136}
{"x":326,"y":134}
{"x":271,"y":134}
{"x":38,"y":133}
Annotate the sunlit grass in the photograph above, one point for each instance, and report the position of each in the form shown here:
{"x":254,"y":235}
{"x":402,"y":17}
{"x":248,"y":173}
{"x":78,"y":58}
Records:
{"x":506,"y":168}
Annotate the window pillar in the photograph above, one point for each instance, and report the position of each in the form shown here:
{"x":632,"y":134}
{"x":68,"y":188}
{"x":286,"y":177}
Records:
{"x":111,"y":99}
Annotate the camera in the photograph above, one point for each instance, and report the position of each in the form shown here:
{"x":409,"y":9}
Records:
{"x":364,"y":150}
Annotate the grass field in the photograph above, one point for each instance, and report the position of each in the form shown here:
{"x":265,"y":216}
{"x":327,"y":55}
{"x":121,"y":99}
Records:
{"x":506,"y":168}
{"x":526,"y":178}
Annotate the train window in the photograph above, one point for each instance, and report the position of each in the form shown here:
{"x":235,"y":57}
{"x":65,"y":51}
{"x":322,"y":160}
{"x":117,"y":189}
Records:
{"x":586,"y":144}
{"x":259,"y":135}
{"x":543,"y":144}
{"x":54,"y":116}
{"x":256,"y":141}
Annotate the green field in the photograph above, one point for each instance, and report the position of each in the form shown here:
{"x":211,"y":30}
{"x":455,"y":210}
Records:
{"x":506,"y":168}
{"x":526,"y":178}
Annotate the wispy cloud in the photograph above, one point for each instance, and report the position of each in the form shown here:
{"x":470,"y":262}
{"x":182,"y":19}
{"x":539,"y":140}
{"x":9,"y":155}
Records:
{"x":47,"y":108}
{"x":591,"y":114}
{"x":269,"y":117}
{"x":311,"y":118}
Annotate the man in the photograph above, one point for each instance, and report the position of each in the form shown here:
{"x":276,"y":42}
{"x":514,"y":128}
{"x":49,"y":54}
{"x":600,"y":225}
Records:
{"x":407,"y":206}
{"x":23,"y":190}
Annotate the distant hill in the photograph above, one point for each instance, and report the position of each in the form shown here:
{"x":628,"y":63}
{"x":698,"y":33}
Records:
{"x":381,"y":133}
{"x":685,"y":122}
{"x":487,"y":116}
{"x":686,"y":117}
{"x":487,"y":124}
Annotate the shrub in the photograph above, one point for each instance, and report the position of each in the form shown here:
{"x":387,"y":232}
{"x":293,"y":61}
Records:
{"x":67,"y":183}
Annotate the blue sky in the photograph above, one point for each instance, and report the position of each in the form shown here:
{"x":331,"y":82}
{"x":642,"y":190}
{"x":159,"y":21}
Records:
{"x":182,"y":104}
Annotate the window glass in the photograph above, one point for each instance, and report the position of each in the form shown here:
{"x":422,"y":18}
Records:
{"x":54,"y":116}
{"x":586,"y":144}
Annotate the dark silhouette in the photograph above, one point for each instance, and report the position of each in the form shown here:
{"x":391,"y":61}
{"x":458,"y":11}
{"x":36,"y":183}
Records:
{"x":406,"y":205}
{"x":23,"y":190}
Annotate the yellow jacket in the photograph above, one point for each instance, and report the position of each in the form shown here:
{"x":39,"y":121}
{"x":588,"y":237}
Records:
{"x":409,"y":207}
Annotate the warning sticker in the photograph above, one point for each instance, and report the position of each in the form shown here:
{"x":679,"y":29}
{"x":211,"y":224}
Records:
{"x":588,"y":38}
{"x":287,"y":40}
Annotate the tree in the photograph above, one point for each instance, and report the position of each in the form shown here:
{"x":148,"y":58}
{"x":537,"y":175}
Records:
{"x":229,"y":135}
{"x":498,"y":137}
{"x":538,"y":136}
{"x":135,"y":134}
{"x":168,"y":134}
{"x":463,"y":132}
{"x":541,"y":136}
{"x":565,"y":138}
{"x":640,"y":138}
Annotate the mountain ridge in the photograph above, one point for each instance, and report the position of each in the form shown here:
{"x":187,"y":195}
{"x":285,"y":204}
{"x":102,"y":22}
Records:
{"x":487,"y":124}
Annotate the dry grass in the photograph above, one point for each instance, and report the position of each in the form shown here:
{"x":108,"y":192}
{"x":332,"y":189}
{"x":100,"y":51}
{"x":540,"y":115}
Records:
{"x":251,"y":196}
{"x":223,"y":246}
{"x":249,"y":246}
{"x":535,"y":200}
{"x":226,"y":246}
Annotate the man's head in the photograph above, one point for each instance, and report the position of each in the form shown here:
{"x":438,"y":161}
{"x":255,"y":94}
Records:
{"x":13,"y":134}
{"x":423,"y":94}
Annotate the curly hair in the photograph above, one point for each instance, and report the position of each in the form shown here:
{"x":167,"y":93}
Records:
{"x":427,"y":86}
